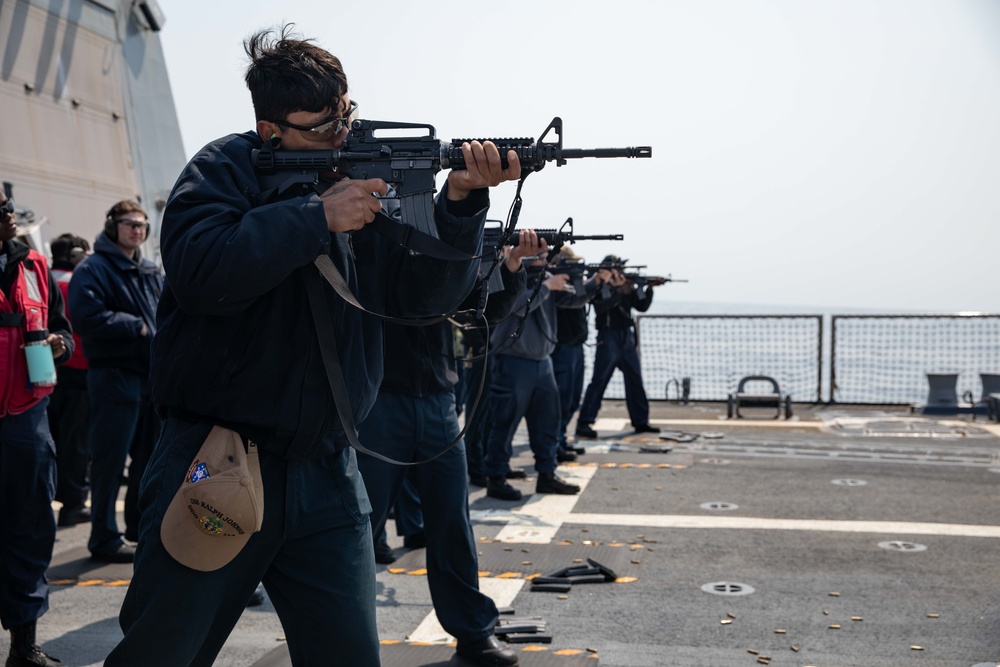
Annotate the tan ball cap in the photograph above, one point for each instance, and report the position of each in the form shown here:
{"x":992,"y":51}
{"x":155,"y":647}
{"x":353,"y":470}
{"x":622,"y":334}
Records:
{"x":219,"y":505}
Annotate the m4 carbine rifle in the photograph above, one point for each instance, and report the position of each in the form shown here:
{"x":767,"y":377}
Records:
{"x":631,"y":272}
{"x":410,"y":163}
{"x":555,"y":238}
{"x":641,"y":280}
{"x":591,"y":269}
{"x":578,"y":270}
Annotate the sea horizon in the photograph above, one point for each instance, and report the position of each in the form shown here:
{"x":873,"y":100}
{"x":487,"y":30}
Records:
{"x":663,"y":306}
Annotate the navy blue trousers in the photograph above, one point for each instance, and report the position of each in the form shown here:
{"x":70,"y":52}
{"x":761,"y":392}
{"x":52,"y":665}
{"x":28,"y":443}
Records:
{"x":69,"y":421}
{"x":122,"y":424}
{"x":314,"y":555}
{"x":523,"y":388}
{"x":410,"y":428}
{"x":616,"y":349}
{"x":27,"y":524}
{"x":407,"y":510}
{"x":480,"y":423}
{"x":568,"y":366}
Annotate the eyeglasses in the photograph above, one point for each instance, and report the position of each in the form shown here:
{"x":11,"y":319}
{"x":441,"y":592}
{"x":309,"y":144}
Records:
{"x":134,"y":224}
{"x":7,"y":208}
{"x":326,"y":129}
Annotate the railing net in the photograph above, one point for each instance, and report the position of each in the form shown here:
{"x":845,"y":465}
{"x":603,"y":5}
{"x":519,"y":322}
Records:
{"x":885,"y":359}
{"x":717,"y":351}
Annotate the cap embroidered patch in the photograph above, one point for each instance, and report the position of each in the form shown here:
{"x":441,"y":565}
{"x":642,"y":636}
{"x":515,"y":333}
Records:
{"x":211,"y":525}
{"x":197,"y":472}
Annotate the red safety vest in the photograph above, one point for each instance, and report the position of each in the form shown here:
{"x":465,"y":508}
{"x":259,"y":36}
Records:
{"x":30,"y":296}
{"x":78,"y":360}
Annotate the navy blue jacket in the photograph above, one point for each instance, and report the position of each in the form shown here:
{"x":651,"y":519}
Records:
{"x":236,"y":343}
{"x":571,"y":323}
{"x":614,"y":309}
{"x":533,"y":319}
{"x":111,"y":296}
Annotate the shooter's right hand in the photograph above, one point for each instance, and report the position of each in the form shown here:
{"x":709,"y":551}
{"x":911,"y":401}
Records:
{"x":558,"y":283}
{"x":349,"y":204}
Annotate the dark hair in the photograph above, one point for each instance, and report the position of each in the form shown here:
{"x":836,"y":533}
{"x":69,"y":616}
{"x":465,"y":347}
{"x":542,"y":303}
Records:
{"x":64,"y":244}
{"x":287,"y":75}
{"x":125,"y":206}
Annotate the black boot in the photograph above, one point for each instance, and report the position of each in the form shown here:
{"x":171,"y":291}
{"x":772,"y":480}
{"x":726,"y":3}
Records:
{"x":257,"y":597}
{"x":384,"y":554}
{"x":70,"y":516}
{"x":564,"y":455}
{"x":497,"y":487}
{"x":488,"y":652}
{"x":549,"y":483}
{"x":24,"y":652}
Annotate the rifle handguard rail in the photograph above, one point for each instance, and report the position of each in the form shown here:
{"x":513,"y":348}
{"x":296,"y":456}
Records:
{"x":555,"y":237}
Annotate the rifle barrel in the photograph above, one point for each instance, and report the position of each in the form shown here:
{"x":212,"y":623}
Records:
{"x":597,"y":237}
{"x":628,"y":151}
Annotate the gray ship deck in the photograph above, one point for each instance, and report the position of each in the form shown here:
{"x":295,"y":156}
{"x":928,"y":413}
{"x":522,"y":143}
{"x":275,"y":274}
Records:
{"x":847,"y":537}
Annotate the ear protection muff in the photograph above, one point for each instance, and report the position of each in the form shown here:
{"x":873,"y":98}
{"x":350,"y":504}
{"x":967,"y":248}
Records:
{"x":111,"y":227}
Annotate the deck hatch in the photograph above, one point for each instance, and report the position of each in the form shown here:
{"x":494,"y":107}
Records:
{"x":727,"y":588}
{"x":898,"y":545}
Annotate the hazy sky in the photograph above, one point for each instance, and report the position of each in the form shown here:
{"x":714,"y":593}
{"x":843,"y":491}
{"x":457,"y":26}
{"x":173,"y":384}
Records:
{"x":814,"y":153}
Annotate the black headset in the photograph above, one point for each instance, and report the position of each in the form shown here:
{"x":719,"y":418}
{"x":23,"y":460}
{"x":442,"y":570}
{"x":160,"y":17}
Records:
{"x":111,"y":225}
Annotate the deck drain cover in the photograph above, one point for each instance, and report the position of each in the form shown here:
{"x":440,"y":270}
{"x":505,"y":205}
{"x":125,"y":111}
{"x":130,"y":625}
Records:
{"x":896,"y":545}
{"x":715,"y":461}
{"x":727,"y":588}
{"x":718,"y":505}
{"x":849,"y":482}
{"x":903,"y":427}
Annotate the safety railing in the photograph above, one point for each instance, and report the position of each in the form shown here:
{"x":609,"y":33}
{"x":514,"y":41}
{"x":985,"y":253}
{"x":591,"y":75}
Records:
{"x":885,"y":359}
{"x":713,"y":352}
{"x":872,"y":359}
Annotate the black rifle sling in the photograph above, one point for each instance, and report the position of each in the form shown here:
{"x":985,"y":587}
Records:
{"x":340,"y":286}
{"x":331,"y":362}
{"x":335,"y":374}
{"x":414,"y":239}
